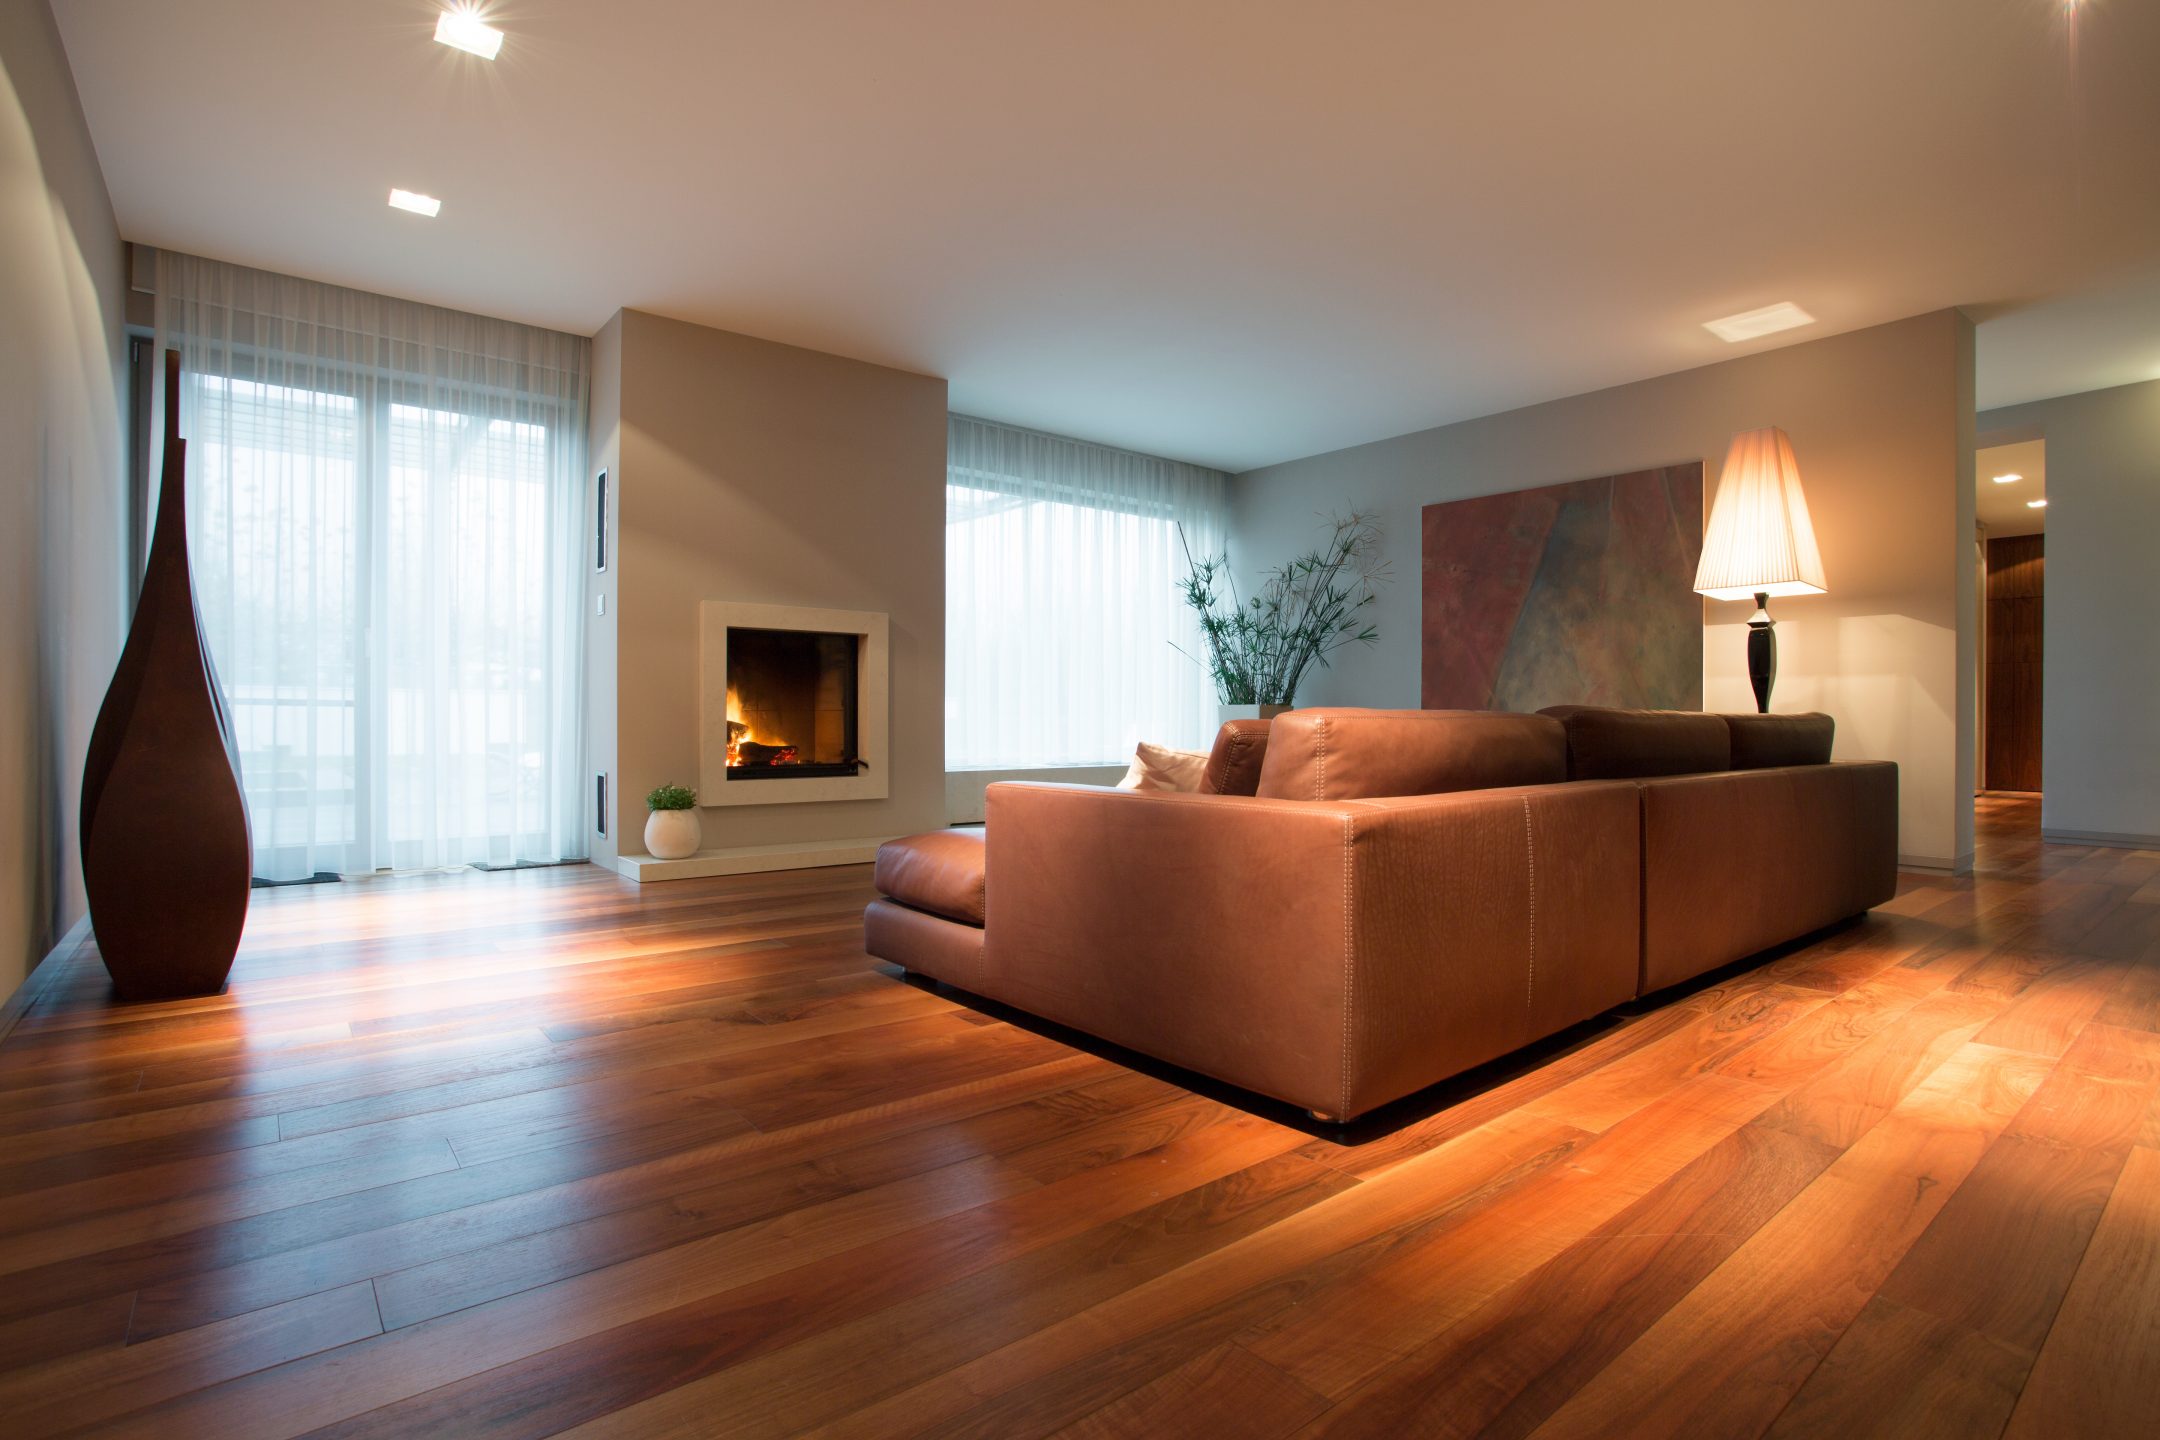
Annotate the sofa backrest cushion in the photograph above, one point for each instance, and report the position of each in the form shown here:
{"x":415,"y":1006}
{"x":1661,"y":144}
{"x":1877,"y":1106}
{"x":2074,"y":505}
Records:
{"x":1233,"y":766}
{"x":1634,"y":744}
{"x":1342,"y":754}
{"x":1760,"y":742}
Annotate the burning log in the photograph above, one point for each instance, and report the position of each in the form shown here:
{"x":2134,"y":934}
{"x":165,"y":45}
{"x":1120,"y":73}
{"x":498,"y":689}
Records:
{"x":750,"y":752}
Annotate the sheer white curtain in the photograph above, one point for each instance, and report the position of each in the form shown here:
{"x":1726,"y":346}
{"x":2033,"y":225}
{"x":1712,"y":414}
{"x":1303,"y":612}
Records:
{"x":385,"y":517}
{"x":1062,"y":561}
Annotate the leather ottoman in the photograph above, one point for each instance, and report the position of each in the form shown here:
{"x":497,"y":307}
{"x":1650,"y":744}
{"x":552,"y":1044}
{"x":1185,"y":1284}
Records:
{"x":931,"y":916}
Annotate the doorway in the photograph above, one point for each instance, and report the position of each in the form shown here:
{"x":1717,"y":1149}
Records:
{"x":2011,"y":481}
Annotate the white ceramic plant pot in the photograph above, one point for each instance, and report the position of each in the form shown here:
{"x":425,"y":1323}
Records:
{"x":673,"y":834}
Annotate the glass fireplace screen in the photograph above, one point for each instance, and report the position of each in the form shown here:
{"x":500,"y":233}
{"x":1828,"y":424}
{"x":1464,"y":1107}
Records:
{"x":791,"y":698}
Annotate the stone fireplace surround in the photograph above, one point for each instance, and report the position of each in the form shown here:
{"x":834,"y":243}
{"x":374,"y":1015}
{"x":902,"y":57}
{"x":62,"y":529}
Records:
{"x":873,"y":704}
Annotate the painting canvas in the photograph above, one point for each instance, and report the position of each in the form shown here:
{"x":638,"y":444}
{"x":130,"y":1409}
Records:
{"x":1575,"y":594}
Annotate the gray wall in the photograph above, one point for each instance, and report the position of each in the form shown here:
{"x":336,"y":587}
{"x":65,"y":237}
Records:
{"x":1881,"y":420}
{"x":62,"y":506}
{"x":2100,"y":763}
{"x":747,"y":470}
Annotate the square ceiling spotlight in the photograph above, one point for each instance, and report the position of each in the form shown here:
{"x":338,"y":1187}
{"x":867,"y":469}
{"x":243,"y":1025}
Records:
{"x":463,"y":29}
{"x":419,"y":204}
{"x":1750,"y":324}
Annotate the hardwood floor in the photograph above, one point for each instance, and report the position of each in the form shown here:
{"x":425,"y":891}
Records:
{"x":541,"y":1152}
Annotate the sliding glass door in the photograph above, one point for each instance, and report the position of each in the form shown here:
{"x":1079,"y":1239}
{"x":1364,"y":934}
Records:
{"x":1066,"y":641}
{"x":387,"y":539}
{"x":278,"y":515}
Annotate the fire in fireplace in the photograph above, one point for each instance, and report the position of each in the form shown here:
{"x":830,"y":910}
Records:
{"x":791,"y":701}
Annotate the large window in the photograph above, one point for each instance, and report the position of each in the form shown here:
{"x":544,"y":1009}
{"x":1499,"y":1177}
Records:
{"x":386,"y":530}
{"x":1063,"y":626}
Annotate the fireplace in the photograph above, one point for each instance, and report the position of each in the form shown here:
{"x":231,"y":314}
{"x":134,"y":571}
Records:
{"x":791,"y":704}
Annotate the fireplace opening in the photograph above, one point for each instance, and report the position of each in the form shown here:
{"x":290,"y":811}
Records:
{"x":791,"y":699}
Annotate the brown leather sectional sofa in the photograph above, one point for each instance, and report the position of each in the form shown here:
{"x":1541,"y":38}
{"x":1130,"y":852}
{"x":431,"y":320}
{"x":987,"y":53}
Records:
{"x":1364,"y":902}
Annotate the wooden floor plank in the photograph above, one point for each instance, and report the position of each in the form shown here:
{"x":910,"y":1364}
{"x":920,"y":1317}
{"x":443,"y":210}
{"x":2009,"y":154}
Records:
{"x":1212,"y":1299}
{"x":1730,"y":1355}
{"x":94,"y":1386}
{"x":2099,"y":1370}
{"x":850,"y":1366}
{"x":545,"y":1359}
{"x":1900,"y":1371}
{"x":1527,"y":1349}
{"x":485,"y":1205}
{"x":1222,"y":1392}
{"x":1431,"y":1281}
{"x":548,"y":1151}
{"x":1948,"y":1342}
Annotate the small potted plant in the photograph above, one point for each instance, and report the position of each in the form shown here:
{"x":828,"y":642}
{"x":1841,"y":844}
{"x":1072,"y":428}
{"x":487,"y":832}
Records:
{"x":672,"y":831}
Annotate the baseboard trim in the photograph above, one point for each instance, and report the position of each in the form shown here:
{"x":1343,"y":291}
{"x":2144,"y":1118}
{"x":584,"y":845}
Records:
{"x":41,"y":977}
{"x":751,"y":860}
{"x":1937,"y":864}
{"x":2115,"y":839}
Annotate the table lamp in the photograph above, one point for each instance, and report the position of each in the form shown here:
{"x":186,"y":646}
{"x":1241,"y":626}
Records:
{"x":1760,"y":543}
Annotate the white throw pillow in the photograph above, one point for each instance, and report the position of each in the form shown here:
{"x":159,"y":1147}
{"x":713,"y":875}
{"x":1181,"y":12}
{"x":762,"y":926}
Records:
{"x":1157,"y":767}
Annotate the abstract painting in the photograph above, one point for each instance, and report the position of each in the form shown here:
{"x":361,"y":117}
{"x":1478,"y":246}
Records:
{"x":1576,"y":594}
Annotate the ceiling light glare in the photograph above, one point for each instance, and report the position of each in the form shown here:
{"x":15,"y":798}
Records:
{"x":463,"y":29}
{"x":1751,"y":324}
{"x":419,"y":204}
{"x":2011,"y":479}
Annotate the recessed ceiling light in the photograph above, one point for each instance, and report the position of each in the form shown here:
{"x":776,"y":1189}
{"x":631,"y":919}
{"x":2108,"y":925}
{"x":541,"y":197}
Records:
{"x":1751,"y":323}
{"x":2012,"y":478}
{"x":463,"y":29}
{"x":418,"y":204}
{"x":2036,"y":504}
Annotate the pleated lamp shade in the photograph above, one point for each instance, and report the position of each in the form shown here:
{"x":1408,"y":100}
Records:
{"x":1759,"y":540}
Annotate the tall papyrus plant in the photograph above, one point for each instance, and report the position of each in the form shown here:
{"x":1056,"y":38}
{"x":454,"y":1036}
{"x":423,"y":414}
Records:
{"x":1258,"y":650}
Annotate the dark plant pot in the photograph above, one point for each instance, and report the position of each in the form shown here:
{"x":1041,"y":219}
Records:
{"x":166,"y":852}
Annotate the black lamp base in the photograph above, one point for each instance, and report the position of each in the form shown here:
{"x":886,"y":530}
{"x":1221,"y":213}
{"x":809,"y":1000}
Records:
{"x":1762,"y":653}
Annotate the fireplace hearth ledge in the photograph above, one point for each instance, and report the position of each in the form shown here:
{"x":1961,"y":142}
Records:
{"x":752,"y":859}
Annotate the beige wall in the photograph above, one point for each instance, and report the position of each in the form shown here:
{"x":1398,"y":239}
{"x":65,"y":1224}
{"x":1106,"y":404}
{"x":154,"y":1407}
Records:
{"x":1882,"y":423}
{"x":766,"y":473}
{"x":62,"y":507}
{"x":2100,"y":685}
{"x":1965,"y":774}
{"x":605,"y":455}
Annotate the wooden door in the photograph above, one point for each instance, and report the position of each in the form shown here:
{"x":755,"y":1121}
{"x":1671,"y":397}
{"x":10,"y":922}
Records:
{"x":2016,"y":582}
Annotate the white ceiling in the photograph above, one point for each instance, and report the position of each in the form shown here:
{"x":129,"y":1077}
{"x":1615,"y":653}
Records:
{"x":1231,"y":231}
{"x":2002,"y":508}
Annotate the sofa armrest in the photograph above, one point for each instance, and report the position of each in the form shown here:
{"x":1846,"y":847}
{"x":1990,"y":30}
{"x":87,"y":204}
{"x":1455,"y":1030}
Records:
{"x":1334,"y":954}
{"x":1734,"y":863}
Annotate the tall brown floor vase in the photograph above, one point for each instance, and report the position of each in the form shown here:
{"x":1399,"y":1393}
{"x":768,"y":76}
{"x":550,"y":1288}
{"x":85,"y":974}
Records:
{"x":165,"y":844}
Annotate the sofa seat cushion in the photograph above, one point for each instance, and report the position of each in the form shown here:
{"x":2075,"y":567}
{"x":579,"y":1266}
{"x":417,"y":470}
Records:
{"x":1763,"y":742}
{"x":1344,"y":754}
{"x":948,"y":950}
{"x":940,"y":871}
{"x":1636,"y":744}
